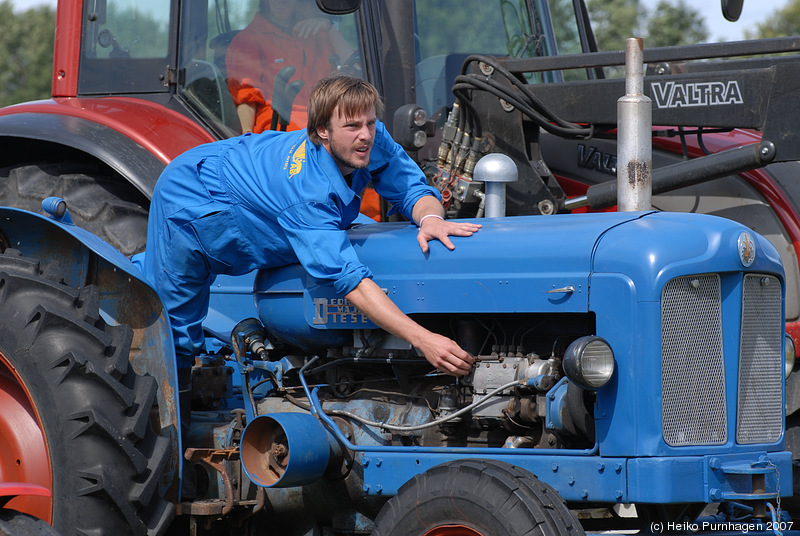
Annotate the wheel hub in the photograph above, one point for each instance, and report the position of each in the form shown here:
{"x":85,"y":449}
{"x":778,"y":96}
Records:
{"x":453,"y":530}
{"x":23,"y":452}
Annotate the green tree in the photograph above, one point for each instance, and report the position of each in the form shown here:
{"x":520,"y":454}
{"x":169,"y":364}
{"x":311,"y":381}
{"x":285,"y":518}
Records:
{"x":566,"y":31}
{"x":614,"y":21}
{"x":669,"y":24}
{"x":673,"y":25}
{"x":783,"y":23}
{"x":26,"y":53}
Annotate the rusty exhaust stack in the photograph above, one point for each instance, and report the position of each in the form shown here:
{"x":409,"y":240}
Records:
{"x":634,"y":134}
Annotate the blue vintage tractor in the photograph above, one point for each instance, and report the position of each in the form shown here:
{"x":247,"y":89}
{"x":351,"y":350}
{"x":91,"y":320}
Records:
{"x":629,"y":373}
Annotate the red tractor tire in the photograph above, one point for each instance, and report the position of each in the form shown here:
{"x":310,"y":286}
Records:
{"x":99,"y":201}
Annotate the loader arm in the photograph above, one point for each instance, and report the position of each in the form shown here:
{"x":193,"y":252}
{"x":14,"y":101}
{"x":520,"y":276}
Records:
{"x":717,"y":95}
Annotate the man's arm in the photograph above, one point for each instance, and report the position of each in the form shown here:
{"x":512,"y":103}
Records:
{"x":442,"y":352}
{"x":247,"y":116}
{"x":429,"y":215}
{"x":314,"y":25}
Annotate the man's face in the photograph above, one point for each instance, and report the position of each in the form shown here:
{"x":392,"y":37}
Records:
{"x":349,"y":139}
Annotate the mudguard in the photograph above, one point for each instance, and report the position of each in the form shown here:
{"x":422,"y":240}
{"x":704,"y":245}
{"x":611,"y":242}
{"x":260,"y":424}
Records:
{"x":122,"y":154}
{"x":79,"y":258}
{"x":135,"y":137}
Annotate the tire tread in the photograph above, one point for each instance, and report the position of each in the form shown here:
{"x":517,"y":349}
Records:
{"x":488,"y":495}
{"x":98,"y":200}
{"x":94,"y":408}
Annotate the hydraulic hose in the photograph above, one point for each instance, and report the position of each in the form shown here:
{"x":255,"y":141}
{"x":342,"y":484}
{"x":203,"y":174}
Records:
{"x":525,"y":101}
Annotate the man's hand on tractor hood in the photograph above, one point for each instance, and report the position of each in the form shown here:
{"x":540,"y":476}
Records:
{"x":434,"y":227}
{"x":429,"y":216}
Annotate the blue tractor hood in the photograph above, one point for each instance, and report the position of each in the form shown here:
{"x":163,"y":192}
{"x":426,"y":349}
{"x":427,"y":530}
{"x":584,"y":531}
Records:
{"x":528,"y":264}
{"x":511,"y":265}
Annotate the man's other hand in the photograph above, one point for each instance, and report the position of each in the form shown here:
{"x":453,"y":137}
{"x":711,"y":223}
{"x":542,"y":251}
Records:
{"x":445,"y":354}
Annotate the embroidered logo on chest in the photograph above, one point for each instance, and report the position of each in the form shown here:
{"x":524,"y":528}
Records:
{"x":298,"y":157}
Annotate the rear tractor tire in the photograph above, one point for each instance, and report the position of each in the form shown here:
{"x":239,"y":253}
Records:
{"x":74,"y":416}
{"x":98,"y":201}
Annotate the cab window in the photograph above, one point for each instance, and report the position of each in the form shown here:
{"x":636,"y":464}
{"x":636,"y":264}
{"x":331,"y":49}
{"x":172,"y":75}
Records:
{"x":249,"y":65}
{"x":125,"y":46}
{"x":448,"y":31}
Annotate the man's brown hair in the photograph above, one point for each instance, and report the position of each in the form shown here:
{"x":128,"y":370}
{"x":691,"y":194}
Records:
{"x":352,"y":95}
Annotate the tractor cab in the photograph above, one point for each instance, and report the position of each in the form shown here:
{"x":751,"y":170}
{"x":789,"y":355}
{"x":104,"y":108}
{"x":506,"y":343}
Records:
{"x":221,"y":57}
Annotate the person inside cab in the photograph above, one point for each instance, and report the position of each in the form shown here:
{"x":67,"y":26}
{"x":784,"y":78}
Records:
{"x":273,"y":63}
{"x":275,"y":60}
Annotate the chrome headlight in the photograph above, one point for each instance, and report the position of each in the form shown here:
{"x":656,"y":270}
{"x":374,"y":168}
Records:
{"x":789,"y":352}
{"x":589,"y":362}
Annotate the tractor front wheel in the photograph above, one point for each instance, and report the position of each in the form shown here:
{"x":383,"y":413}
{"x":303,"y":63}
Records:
{"x":476,"y":498}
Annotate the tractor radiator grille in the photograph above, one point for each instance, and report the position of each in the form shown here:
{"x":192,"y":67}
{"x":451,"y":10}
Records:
{"x":760,"y":408}
{"x":692,"y":365}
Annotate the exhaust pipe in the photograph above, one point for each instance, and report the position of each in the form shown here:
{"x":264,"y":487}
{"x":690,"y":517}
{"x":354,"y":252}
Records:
{"x":283,"y":450}
{"x":634,"y":131}
{"x":495,"y":170}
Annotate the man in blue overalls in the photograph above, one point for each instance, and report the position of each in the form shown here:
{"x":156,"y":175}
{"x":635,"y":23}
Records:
{"x":276,"y":198}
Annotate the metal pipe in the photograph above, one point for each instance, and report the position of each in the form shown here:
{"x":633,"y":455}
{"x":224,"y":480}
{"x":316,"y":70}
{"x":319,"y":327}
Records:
{"x":682,"y":53}
{"x":683,"y":174}
{"x":383,"y":426}
{"x":495,"y":170}
{"x":634,"y":126}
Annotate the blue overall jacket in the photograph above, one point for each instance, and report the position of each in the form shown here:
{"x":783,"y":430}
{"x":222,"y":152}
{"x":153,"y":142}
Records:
{"x":261,"y":201}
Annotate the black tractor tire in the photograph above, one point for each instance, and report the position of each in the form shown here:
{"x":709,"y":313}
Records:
{"x":93,"y":410}
{"x":476,"y":498}
{"x":98,"y":200}
{"x":13,"y":523}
